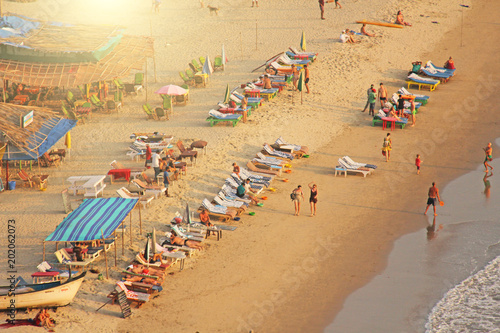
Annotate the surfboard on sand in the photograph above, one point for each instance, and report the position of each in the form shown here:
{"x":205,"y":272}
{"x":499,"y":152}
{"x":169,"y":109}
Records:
{"x":382,"y":24}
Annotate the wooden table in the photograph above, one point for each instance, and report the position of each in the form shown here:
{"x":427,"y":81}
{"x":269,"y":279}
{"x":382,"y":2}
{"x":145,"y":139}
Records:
{"x":392,"y":120}
{"x":252,"y":93}
{"x":91,"y":185}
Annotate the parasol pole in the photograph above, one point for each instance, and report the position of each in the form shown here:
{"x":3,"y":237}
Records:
{"x":154,"y":57}
{"x":256,"y":35}
{"x":4,"y":87}
{"x":130,"y":227}
{"x":241,"y":46}
{"x":140,"y":215}
{"x":146,"y":81}
{"x":43,"y":241}
{"x":105,"y":254}
{"x":123,"y":236}
{"x":114,"y":235}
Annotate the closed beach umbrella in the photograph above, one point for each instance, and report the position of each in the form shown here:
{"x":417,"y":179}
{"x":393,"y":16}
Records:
{"x":187,"y":217}
{"x":300,"y":84}
{"x":147,"y":251}
{"x":227,"y":94}
{"x":207,"y":67}
{"x":153,"y":241}
{"x":67,"y":141}
{"x":303,"y":41}
{"x":171,"y":90}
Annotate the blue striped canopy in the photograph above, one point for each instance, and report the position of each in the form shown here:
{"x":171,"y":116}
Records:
{"x":93,"y":215}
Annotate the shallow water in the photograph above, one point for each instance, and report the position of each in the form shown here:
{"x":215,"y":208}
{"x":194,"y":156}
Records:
{"x":424,"y":265}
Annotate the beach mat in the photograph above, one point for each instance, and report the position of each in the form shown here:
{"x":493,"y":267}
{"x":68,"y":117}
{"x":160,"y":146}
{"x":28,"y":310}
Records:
{"x":226,"y":227}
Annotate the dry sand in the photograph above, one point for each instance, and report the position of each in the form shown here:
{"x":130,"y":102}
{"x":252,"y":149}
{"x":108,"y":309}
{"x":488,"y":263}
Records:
{"x":276,"y":272}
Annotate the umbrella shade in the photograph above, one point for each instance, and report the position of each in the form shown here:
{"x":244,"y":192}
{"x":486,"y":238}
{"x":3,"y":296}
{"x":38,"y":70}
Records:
{"x":172,"y":90}
{"x":227,"y":95}
{"x":303,"y":41}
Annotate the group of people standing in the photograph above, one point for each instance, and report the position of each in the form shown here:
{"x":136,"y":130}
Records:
{"x":159,"y":165}
{"x":297,"y":196}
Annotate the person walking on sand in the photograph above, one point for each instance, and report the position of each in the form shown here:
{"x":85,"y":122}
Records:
{"x":488,"y":151}
{"x":368,"y":97}
{"x":297,"y":197}
{"x":433,"y":195}
{"x":418,"y":161}
{"x":382,"y":95}
{"x":372,"y":98}
{"x":337,"y":4}
{"x":387,"y":147}
{"x":322,"y":8}
{"x":156,"y":5}
{"x":255,"y":3}
{"x":306,"y":77}
{"x":313,"y":199}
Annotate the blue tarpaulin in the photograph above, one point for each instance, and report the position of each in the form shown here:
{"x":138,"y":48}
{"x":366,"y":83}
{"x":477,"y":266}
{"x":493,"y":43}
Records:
{"x":41,"y":141}
{"x":93,"y":215}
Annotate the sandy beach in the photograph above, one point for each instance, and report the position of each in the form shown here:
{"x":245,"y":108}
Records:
{"x":276,"y":272}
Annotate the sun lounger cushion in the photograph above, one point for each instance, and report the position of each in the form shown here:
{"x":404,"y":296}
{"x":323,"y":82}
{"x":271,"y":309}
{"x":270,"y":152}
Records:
{"x":419,"y":79}
{"x":220,"y":115}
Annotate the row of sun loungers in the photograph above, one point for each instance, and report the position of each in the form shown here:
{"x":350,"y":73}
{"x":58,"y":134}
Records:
{"x":255,"y":95}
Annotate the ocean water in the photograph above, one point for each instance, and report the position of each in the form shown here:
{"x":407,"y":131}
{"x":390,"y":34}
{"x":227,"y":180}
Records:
{"x":444,"y":278}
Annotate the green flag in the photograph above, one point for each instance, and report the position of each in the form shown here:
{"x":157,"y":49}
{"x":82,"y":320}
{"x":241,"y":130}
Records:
{"x":300,"y":84}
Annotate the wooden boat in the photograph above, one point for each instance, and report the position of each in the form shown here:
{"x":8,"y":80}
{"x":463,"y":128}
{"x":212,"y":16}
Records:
{"x":50,"y":294}
{"x":382,"y":24}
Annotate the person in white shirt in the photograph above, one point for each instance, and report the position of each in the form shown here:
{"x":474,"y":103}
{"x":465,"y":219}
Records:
{"x":155,"y":163}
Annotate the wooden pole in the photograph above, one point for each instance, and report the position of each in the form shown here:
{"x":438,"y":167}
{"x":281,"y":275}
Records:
{"x":256,"y":35}
{"x":241,"y":46}
{"x":130,"y":227}
{"x":114,"y":235}
{"x":123,"y":237}
{"x":4,"y":87}
{"x":105,"y":254}
{"x":154,"y":57}
{"x":140,"y":215}
{"x":146,"y":80}
{"x":43,"y":241}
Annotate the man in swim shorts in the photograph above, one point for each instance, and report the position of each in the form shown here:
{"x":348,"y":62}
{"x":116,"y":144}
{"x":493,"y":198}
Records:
{"x":382,"y":95}
{"x":433,"y":195}
{"x":306,"y":76}
{"x":488,"y":151}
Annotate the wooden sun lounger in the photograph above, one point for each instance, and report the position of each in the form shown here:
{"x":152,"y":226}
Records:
{"x":214,"y":121}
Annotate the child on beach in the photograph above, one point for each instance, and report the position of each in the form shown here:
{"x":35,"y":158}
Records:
{"x":488,"y":151}
{"x":418,"y":161}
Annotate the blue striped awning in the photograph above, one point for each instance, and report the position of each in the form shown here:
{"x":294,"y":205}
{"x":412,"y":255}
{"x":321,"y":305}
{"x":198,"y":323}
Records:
{"x":93,"y":215}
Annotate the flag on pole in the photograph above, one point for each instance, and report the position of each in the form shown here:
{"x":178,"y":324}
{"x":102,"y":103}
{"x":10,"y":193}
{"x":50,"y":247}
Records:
{"x":303,"y":41}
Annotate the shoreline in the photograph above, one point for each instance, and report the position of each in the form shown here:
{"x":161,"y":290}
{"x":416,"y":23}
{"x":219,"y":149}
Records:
{"x":230,"y":285}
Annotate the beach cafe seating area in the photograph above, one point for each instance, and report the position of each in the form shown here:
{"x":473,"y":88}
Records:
{"x":241,"y":102}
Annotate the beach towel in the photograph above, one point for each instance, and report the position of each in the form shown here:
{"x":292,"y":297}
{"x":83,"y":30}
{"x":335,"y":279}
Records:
{"x":431,"y":68}
{"x":220,"y":115}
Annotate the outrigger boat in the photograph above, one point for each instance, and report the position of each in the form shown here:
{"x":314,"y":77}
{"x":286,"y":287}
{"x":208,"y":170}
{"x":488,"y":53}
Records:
{"x":51,"y":294}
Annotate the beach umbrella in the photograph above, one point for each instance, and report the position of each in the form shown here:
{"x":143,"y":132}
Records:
{"x":171,"y":90}
{"x":207,"y":67}
{"x":227,"y":94}
{"x":224,"y":58}
{"x":303,"y":41}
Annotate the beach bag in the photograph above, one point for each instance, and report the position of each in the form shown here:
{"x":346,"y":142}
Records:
{"x":293,"y":196}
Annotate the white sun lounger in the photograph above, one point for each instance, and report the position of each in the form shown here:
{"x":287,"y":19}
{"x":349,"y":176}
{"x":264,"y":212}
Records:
{"x":347,"y":168}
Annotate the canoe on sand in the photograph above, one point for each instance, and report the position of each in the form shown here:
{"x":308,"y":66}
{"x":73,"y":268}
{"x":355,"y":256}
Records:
{"x":382,"y":24}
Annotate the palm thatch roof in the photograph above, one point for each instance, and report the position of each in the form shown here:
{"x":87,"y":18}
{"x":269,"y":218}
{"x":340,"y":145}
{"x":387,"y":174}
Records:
{"x":10,"y":128}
